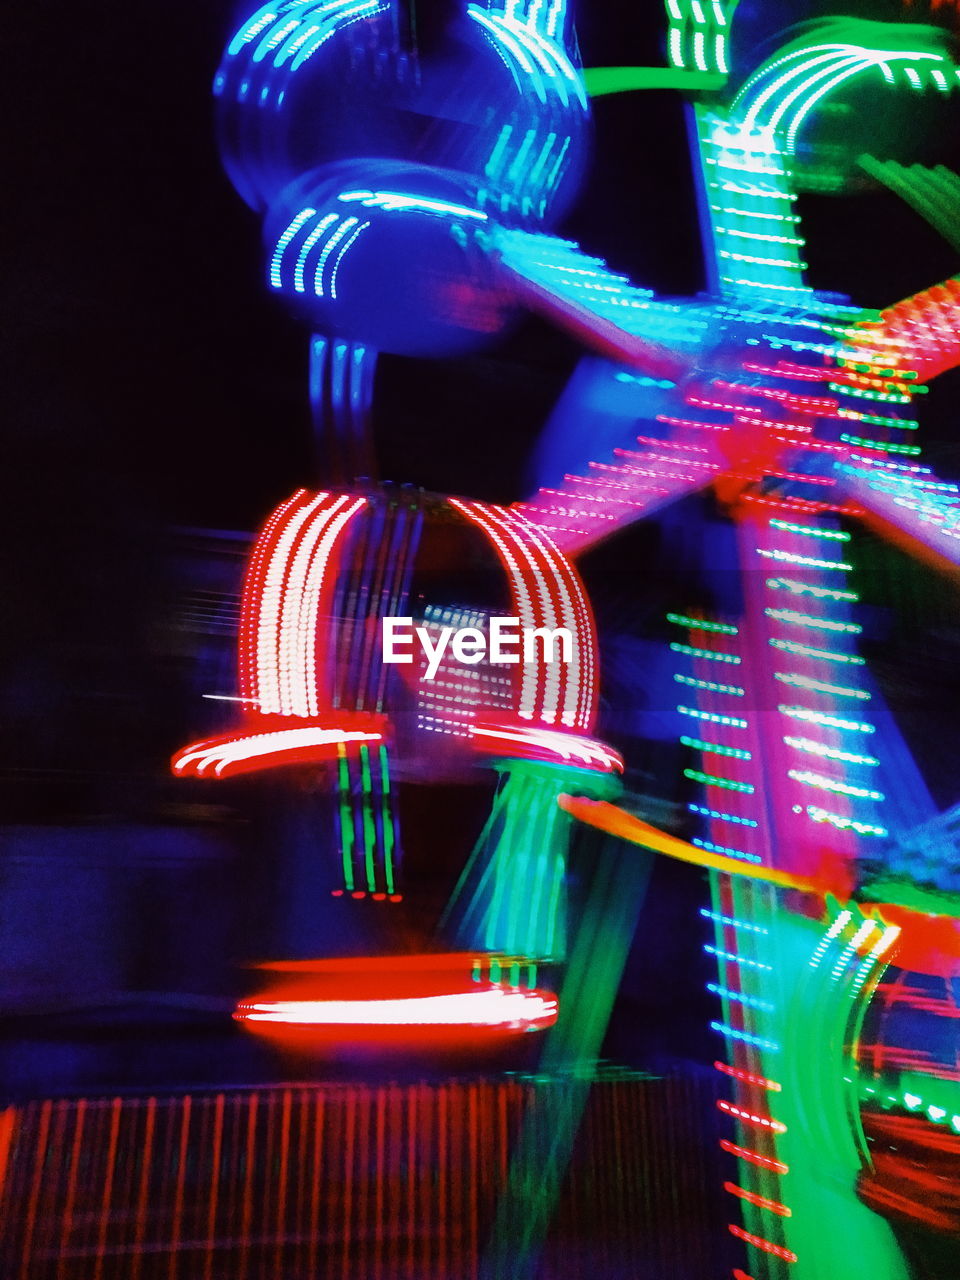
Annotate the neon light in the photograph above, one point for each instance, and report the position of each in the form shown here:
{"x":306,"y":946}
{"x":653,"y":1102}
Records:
{"x":766,"y":1245}
{"x":343,"y":230}
{"x":754,"y":1157}
{"x":838,"y":926}
{"x":761,"y":1202}
{"x":910,"y":450}
{"x":497,"y":1008}
{"x":715,"y":748}
{"x":395,"y":201}
{"x":734,"y":722}
{"x":830,"y":722}
{"x":843,"y":823}
{"x":227,"y":756}
{"x":831,"y":784}
{"x":830,"y":753}
{"x":695,"y":683}
{"x":711,"y":780}
{"x":303,"y":216}
{"x":857,"y":941}
{"x":818,"y":686}
{"x":726,"y":851}
{"x":748,"y":1117}
{"x":733,"y":1033}
{"x":748,"y":1077}
{"x":701,"y":624}
{"x":741,"y":960}
{"x":733,"y":923}
{"x":305,"y":248}
{"x":346,"y":820}
{"x":611,"y":818}
{"x":819,"y":593}
{"x":369,"y":828}
{"x":544,"y":585}
{"x":720,"y":816}
{"x":788,"y":557}
{"x":389,"y":838}
{"x":834,"y":534}
{"x":341,"y":253}
{"x":822,"y":655}
{"x":738,"y":997}
{"x":546,"y":742}
{"x":709,"y":654}
{"x":605,"y":80}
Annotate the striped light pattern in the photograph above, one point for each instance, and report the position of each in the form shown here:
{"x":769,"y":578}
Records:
{"x":779,"y":96}
{"x":546,"y":592}
{"x":285,"y":654}
{"x":288,"y":33}
{"x":346,"y":1180}
{"x":288,"y":590}
{"x":699,"y":33}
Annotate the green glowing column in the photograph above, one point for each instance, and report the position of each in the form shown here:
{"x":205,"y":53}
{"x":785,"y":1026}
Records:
{"x":511,"y":898}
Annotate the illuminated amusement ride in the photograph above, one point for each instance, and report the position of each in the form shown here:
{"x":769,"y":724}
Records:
{"x":408,"y":190}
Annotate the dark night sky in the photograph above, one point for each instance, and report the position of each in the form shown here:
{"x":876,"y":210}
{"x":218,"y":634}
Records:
{"x":152,"y":382}
{"x":149,"y":369}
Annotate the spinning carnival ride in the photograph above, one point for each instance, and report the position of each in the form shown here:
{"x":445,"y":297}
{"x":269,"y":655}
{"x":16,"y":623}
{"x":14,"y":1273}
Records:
{"x":408,"y":181}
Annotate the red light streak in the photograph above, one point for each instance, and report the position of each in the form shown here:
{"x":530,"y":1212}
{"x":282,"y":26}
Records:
{"x":545,"y":592}
{"x":493,"y":1008}
{"x":767,"y":1246}
{"x":748,"y":1077}
{"x":748,"y":1117}
{"x":784,"y":369}
{"x":241,"y":752}
{"x":800,"y":504}
{"x":761,"y":1202}
{"x":668,"y":444}
{"x":754,"y":1157}
{"x":690,"y":422}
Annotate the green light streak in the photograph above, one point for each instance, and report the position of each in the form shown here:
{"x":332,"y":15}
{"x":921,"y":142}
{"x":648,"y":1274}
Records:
{"x":715,"y":748}
{"x":711,"y":655}
{"x":346,"y":818}
{"x":823,"y":655}
{"x":806,"y":588}
{"x":601,"y":81}
{"x":734,"y":722}
{"x":907,"y":894}
{"x":779,"y":95}
{"x":545,"y":1144}
{"x":933,"y":193}
{"x":510,"y":897}
{"x":911,"y":450}
{"x":388,"y":834}
{"x":711,"y":780}
{"x":369,"y":824}
{"x":701,"y":624}
{"x":835,"y":535}
{"x":811,"y":1003}
{"x":694,"y":683}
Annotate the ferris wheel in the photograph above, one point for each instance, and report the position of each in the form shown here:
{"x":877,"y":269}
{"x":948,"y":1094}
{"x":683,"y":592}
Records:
{"x":404,"y":214}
